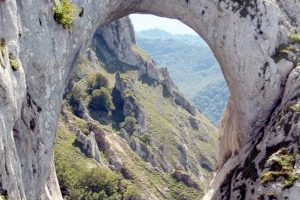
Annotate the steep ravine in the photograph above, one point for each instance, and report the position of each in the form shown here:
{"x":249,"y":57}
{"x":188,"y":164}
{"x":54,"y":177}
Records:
{"x":256,"y":43}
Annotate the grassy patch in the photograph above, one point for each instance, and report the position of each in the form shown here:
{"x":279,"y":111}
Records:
{"x":167,"y":126}
{"x":64,"y":13}
{"x":2,"y":197}
{"x":295,"y":108}
{"x":81,"y":178}
{"x":13,"y":62}
{"x":145,"y":56}
{"x":291,"y":50}
{"x":282,"y":167}
{"x":294,"y":37}
{"x":288,"y":178}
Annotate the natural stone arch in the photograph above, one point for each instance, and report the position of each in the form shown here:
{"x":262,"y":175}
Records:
{"x":243,"y":37}
{"x":242,"y":34}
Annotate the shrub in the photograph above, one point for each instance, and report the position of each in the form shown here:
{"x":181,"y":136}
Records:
{"x":282,"y":166}
{"x":97,"y":81}
{"x":101,"y":100}
{"x":132,"y":193}
{"x":146,"y":139}
{"x":295,"y":108}
{"x":3,"y":197}
{"x":130,"y":125}
{"x":99,"y":181}
{"x":77,"y":92}
{"x":13,"y":62}
{"x":64,"y":13}
{"x":89,"y":184}
{"x":294,"y":37}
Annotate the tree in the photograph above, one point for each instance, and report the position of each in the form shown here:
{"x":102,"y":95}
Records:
{"x":94,"y":184}
{"x":97,"y":81}
{"x":101,"y":100}
{"x":130,"y":125}
{"x":132,"y":193}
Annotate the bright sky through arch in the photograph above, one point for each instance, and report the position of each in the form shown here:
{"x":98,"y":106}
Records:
{"x":144,"y":22}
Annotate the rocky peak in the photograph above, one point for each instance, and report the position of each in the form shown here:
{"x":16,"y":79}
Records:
{"x":119,"y":42}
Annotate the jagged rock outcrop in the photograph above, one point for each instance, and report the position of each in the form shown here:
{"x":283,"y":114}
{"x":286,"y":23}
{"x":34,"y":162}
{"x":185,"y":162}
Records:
{"x":119,"y":40}
{"x":88,"y":145}
{"x":136,"y":128}
{"x":131,"y":106}
{"x":244,"y":35}
{"x":182,"y":176}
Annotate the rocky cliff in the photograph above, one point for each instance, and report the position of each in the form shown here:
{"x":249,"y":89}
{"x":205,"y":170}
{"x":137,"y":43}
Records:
{"x":255,"y":42}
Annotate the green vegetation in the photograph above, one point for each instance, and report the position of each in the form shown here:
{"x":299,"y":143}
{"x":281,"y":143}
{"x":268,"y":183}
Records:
{"x":13,"y":62}
{"x":2,"y":197}
{"x":130,"y":125}
{"x":140,"y":174}
{"x":283,"y":166}
{"x":101,"y":100}
{"x":288,"y":178}
{"x":77,"y":92}
{"x":132,"y":193}
{"x":80,"y":178}
{"x":96,"y":183}
{"x":64,"y":13}
{"x":291,"y":50}
{"x":146,"y":139}
{"x":96,"y":81}
{"x":191,"y":55}
{"x":294,"y":37}
{"x":141,"y":52}
{"x":295,"y":107}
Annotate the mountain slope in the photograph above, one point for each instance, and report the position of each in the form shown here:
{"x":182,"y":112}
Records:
{"x":192,"y":66}
{"x":128,"y":120}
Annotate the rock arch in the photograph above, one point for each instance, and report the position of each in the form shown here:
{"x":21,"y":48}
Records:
{"x":242,"y":34}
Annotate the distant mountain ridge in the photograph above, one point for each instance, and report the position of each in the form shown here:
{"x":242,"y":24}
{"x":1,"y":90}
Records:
{"x":163,"y":35}
{"x":192,"y":66}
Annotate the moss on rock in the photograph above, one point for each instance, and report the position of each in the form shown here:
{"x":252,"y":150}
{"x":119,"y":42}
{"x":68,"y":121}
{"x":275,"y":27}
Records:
{"x":13,"y":62}
{"x":64,"y":13}
{"x":282,"y":167}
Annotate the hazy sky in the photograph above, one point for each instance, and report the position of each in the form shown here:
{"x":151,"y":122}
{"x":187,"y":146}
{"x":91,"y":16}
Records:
{"x":145,"y":22}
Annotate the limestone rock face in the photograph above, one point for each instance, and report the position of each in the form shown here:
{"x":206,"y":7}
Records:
{"x":88,"y":145}
{"x":243,"y":35}
{"x":131,"y":106}
{"x":258,"y":172}
{"x":119,"y":37}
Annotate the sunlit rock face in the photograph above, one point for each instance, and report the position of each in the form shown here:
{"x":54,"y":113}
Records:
{"x":244,"y":35}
